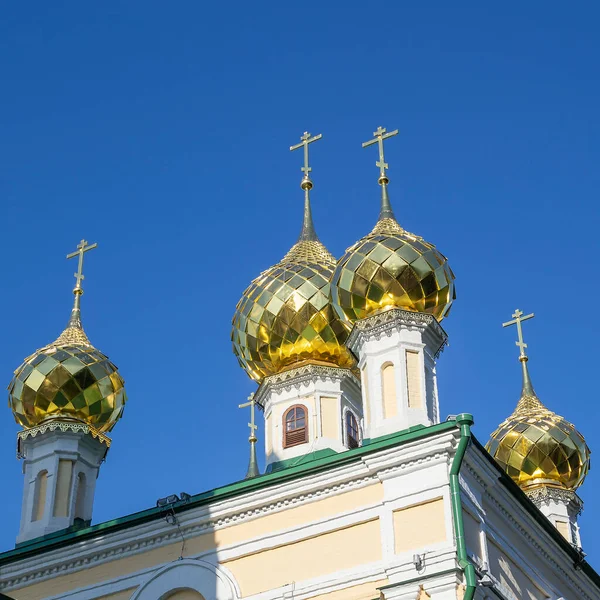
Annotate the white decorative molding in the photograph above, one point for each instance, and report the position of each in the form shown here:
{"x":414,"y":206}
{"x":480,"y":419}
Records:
{"x":299,"y":376}
{"x":107,"y":547}
{"x":385,"y":322}
{"x":63,"y":426}
{"x":534,"y":536}
{"x":212,"y":582}
{"x":546,"y":495}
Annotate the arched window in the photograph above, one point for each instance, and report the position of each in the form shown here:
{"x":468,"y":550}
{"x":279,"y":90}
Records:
{"x":388,"y":389}
{"x":352,"y":434}
{"x":295,"y":426}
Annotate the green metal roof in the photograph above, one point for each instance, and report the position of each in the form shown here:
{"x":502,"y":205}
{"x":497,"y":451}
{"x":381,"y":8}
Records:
{"x":288,"y":471}
{"x":299,"y":467}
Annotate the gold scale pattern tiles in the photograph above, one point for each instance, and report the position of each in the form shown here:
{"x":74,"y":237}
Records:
{"x":389,"y":268}
{"x":285,"y":316}
{"x":70,"y":381}
{"x":538,"y":446}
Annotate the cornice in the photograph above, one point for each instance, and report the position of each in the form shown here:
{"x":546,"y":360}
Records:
{"x":384,"y":323}
{"x":106,"y":548}
{"x":546,"y":495}
{"x":62,"y":426}
{"x":303,"y":375}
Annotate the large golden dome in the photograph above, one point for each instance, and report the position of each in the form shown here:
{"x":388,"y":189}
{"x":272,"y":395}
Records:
{"x":284,"y":316}
{"x":391,"y":267}
{"x":538,"y":447}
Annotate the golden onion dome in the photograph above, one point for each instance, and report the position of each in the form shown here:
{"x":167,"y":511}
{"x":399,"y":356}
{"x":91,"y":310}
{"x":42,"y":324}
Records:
{"x":68,"y":379}
{"x":391,"y":267}
{"x":284,"y":316}
{"x":535,"y":446}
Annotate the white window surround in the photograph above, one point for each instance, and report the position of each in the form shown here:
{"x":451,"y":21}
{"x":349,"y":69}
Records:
{"x":213,"y":583}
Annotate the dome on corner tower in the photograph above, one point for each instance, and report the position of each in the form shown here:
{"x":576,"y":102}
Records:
{"x":535,"y":446}
{"x":391,"y":267}
{"x":68,"y":379}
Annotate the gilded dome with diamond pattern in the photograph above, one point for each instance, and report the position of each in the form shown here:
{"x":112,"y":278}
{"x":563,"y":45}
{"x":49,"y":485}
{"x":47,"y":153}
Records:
{"x":538,"y":447}
{"x":391,"y":267}
{"x":68,"y":379}
{"x":285,"y":316}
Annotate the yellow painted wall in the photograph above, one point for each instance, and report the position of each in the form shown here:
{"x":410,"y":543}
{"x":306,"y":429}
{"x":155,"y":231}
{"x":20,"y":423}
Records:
{"x":327,"y":553}
{"x":63,"y":488}
{"x":413,"y":379}
{"x":330,"y":419}
{"x":298,"y":516}
{"x":419,"y":525}
{"x":364,"y":591}
{"x":388,"y":388}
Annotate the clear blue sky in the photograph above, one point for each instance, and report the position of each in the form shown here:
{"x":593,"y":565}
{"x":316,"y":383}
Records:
{"x":161,"y":131}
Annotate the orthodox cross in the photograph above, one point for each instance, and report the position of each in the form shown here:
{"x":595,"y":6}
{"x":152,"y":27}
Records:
{"x":251,"y":403}
{"x":517,"y":320}
{"x":306,"y":140}
{"x":380,"y":135}
{"x":82,"y":248}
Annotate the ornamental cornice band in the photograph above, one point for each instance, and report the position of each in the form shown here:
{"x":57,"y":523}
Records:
{"x":299,"y":375}
{"x":545,"y":495}
{"x":63,"y":426}
{"x":384,"y":322}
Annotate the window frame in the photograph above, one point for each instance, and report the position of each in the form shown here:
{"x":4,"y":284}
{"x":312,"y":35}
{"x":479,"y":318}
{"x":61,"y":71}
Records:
{"x":347,"y":415}
{"x":304,"y":440}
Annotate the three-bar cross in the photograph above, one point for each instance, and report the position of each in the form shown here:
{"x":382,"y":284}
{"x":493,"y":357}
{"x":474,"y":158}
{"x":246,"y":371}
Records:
{"x":518,"y":319}
{"x":306,"y":140}
{"x":82,"y":248}
{"x":251,"y":403}
{"x":380,"y":135}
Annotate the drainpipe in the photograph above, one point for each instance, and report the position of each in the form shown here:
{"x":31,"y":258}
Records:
{"x":464,"y":422}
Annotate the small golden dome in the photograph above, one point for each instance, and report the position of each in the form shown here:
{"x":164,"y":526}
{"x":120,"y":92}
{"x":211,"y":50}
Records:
{"x":391,"y":267}
{"x":284,"y":316}
{"x":538,"y":447}
{"x":68,"y":379}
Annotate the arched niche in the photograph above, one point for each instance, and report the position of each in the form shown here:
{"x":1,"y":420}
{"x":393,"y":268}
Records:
{"x":181,"y":579}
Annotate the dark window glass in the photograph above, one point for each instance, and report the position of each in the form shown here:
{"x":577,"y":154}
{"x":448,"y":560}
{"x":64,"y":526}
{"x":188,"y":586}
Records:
{"x":352,"y":430}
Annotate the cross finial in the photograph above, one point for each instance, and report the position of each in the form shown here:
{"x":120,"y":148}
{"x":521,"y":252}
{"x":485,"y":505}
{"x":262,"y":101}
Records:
{"x":306,"y":140}
{"x":380,"y":135}
{"x":253,"y":470}
{"x":251,"y":403}
{"x":82,"y":248}
{"x":518,"y":318}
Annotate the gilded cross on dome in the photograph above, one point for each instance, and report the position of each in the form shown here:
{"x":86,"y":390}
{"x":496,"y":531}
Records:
{"x":253,"y":427}
{"x":518,"y":318}
{"x":82,"y":248}
{"x":306,"y":140}
{"x":380,"y":135}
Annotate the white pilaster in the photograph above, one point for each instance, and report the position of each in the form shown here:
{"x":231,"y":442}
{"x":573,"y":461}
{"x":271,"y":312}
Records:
{"x":561,"y":507}
{"x":326,"y":393}
{"x":410,"y":343}
{"x":61,"y":464}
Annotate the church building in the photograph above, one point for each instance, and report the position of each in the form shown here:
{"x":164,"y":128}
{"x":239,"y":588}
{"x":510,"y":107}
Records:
{"x":368,"y":491}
